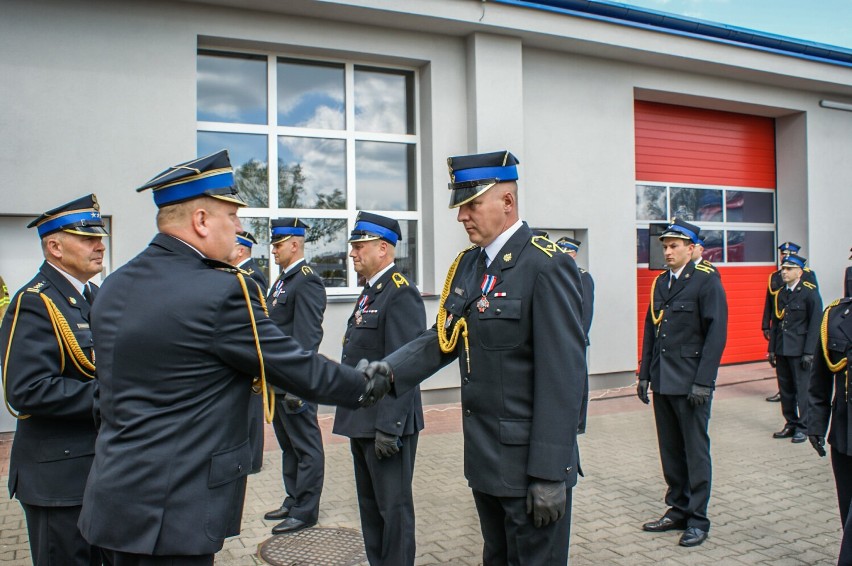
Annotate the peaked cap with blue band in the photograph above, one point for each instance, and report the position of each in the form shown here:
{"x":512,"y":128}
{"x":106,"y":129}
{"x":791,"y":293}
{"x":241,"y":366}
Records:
{"x":285,"y":228}
{"x":81,"y":216}
{"x":210,"y":176}
{"x":681,"y":229}
{"x":369,"y":226}
{"x":472,"y":175}
{"x":789,"y":248}
{"x":246,"y":239}
{"x":793,"y":260}
{"x":568,"y":244}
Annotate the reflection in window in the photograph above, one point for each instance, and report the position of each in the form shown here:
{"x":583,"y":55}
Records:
{"x":326,"y":249}
{"x":696,"y":204}
{"x":231,"y":88}
{"x":714,"y":246}
{"x":259,"y":228}
{"x":249,"y":159}
{"x":643,"y":253}
{"x":311,"y":173}
{"x":384,"y":101}
{"x":650,"y":202}
{"x":310,"y":94}
{"x":384,"y":176}
{"x":751,"y":246}
{"x":750,"y":206}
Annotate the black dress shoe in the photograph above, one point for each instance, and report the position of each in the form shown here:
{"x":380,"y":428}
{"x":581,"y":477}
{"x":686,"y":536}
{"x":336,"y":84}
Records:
{"x":278,"y":514}
{"x":799,"y":437}
{"x":785,"y":432}
{"x":775,"y":398}
{"x":290,"y":525}
{"x":663,"y":524}
{"x":693,"y":536}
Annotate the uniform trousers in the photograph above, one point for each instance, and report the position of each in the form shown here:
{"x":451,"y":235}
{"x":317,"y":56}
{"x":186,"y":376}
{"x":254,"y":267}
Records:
{"x":385,"y":501}
{"x":842,"y":466}
{"x":793,"y":384}
{"x":685,"y":455}
{"x":510,"y":537}
{"x":55,"y":538}
{"x":118,"y":558}
{"x":256,"y":431}
{"x":302,"y":458}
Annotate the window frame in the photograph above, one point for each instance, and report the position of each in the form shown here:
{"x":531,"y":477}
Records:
{"x":724,"y":226}
{"x":273,"y":132}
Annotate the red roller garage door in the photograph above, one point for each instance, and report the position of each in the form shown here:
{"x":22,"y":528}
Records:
{"x":678,"y":144}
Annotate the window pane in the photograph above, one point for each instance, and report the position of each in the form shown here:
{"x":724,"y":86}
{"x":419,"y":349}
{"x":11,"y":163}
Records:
{"x":650,"y":203}
{"x":310,"y":95}
{"x":751,"y":246}
{"x":231,"y":88}
{"x":714,"y":246}
{"x":384,"y":176}
{"x":406,"y":251}
{"x":311,"y":173}
{"x":384,"y":101}
{"x":249,"y":159}
{"x":326,"y":249}
{"x":259,"y":228}
{"x":696,"y":204}
{"x":748,"y":206}
{"x":643,"y":254}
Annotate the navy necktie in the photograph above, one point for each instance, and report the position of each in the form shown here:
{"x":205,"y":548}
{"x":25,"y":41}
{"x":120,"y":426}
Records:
{"x":87,"y":293}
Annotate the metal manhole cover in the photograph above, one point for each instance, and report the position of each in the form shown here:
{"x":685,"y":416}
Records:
{"x":315,"y":547}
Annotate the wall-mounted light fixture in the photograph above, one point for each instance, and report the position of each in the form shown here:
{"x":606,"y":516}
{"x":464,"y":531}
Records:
{"x":836,"y":105}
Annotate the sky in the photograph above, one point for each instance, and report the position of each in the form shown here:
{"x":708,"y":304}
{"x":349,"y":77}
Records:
{"x":823,"y":21}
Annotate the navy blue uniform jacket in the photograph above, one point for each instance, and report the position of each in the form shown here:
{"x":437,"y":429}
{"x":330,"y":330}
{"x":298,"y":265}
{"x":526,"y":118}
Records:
{"x":687,"y":347}
{"x":176,"y":357}
{"x":394,"y":315}
{"x":521,"y":400}
{"x":797,"y":332}
{"x":53,"y":448}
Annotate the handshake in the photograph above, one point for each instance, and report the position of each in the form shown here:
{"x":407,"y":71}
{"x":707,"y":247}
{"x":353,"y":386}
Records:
{"x":379,"y":376}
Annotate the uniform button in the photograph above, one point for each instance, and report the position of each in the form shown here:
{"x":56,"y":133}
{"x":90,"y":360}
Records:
{"x":498,"y":311}
{"x":664,"y":349}
{"x":398,"y":423}
{"x":67,"y":452}
{"x":568,"y":469}
{"x":665,"y":320}
{"x":664,"y":334}
{"x":344,"y":356}
{"x":465,"y":380}
{"x":239,"y":467}
{"x":467,"y":412}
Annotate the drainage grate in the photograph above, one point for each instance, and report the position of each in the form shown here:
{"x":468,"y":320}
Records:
{"x":315,"y":547}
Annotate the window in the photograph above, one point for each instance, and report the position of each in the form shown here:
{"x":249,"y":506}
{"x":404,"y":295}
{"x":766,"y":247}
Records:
{"x":317,"y":140}
{"x":738,"y":225}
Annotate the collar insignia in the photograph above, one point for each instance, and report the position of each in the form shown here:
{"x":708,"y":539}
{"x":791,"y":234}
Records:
{"x":507,"y":257}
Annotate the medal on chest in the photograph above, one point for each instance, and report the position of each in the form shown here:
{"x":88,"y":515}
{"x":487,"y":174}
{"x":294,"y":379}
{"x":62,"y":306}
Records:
{"x":279,"y":290}
{"x":488,"y":282}
{"x":359,"y":311}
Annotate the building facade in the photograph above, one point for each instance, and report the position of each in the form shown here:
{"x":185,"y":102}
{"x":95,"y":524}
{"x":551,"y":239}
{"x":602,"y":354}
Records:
{"x":621,"y":119}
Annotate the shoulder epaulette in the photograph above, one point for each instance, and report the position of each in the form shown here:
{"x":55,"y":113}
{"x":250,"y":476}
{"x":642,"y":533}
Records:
{"x":399,"y":280}
{"x":36,"y":288}
{"x":663,"y":273}
{"x":704,"y":268}
{"x":306,"y":270}
{"x":467,"y":249}
{"x":546,"y":245}
{"x":808,"y":284}
{"x":582,"y":270}
{"x":806,"y":269}
{"x":222,"y":266}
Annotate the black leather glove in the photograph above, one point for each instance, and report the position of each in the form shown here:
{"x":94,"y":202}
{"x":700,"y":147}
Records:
{"x":293,"y":403}
{"x":642,"y":390}
{"x":546,"y":501}
{"x":379,"y":376}
{"x":772,"y":360}
{"x":818,"y":442}
{"x":766,"y":334}
{"x":698,"y":395}
{"x":807,"y":362}
{"x":386,"y":445}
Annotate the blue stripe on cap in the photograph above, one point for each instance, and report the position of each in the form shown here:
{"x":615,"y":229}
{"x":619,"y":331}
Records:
{"x":568,"y":246}
{"x":791,"y":259}
{"x":244,"y":241}
{"x":288,"y":231}
{"x":377,"y":230}
{"x":192,"y":189}
{"x":58,"y":223}
{"x":686,"y":231}
{"x":507,"y":173}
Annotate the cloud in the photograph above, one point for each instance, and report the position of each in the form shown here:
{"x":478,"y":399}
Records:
{"x":231,"y":89}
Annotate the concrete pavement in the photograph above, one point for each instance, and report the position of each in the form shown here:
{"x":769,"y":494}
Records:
{"x":773,"y":502}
